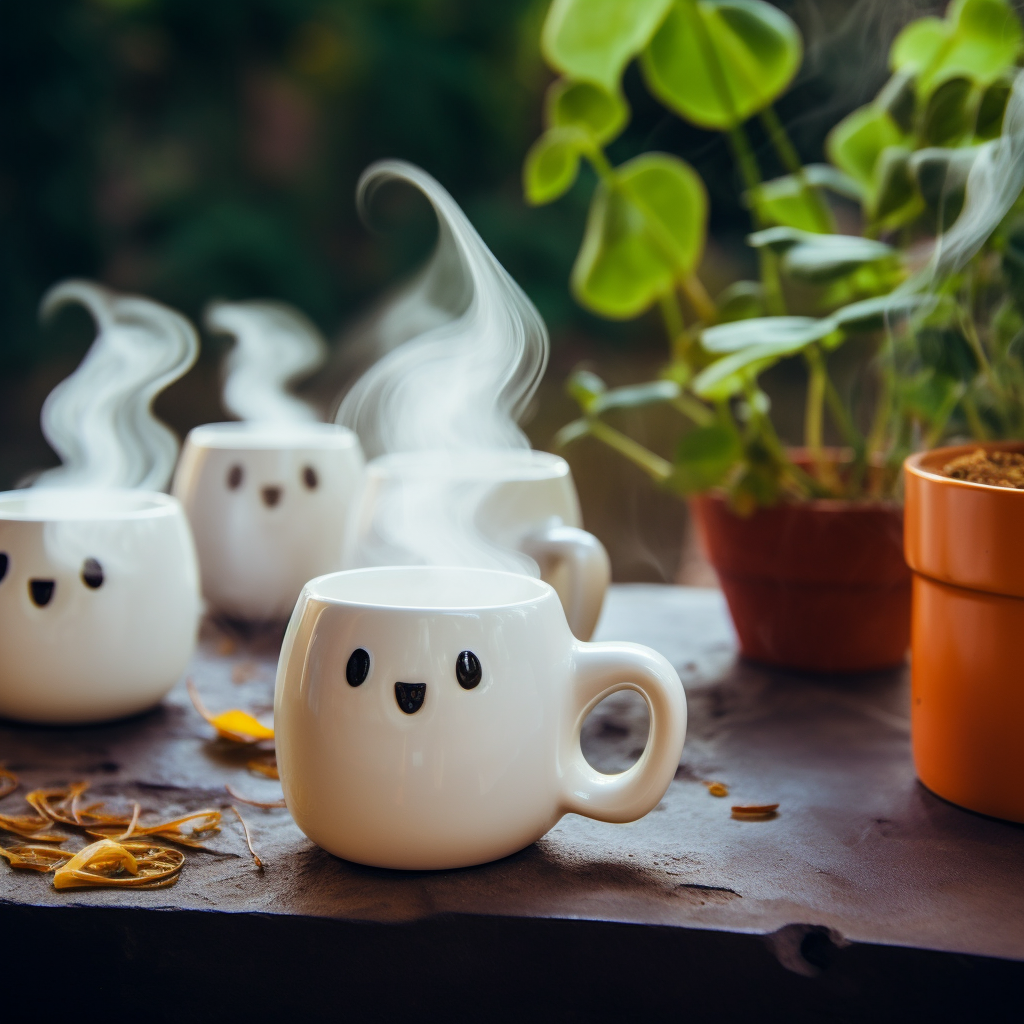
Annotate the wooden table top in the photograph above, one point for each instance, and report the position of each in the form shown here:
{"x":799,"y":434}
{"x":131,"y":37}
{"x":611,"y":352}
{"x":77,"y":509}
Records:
{"x":859,"y":856}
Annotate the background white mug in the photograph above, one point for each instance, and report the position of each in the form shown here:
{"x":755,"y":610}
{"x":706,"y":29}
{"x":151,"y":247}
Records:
{"x":465,"y":508}
{"x":268,"y":504}
{"x":99,"y":602}
{"x":430,"y":717}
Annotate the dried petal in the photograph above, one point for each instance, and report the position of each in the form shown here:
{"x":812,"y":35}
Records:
{"x":754,"y":812}
{"x":717,"y":788}
{"x":28,"y":856}
{"x":109,"y":864}
{"x":30,"y":826}
{"x":235,"y":725}
{"x":267,"y":767}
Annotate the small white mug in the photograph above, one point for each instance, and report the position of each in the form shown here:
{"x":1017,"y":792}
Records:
{"x":429,"y":717}
{"x":268,"y":504}
{"x":444,"y":508}
{"x":99,"y":602}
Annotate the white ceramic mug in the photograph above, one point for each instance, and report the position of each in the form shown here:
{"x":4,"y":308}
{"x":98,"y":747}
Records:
{"x":429,"y":717}
{"x":268,"y":504}
{"x":99,"y":602}
{"x":444,"y":508}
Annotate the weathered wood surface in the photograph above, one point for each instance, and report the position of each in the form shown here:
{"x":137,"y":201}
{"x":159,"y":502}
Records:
{"x":860,"y":853}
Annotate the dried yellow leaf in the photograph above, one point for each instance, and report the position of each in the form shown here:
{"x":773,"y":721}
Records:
{"x":28,"y":856}
{"x":754,"y":812}
{"x":207,"y":821}
{"x":235,"y":725}
{"x":717,"y":788}
{"x":264,"y":767}
{"x":109,"y":864}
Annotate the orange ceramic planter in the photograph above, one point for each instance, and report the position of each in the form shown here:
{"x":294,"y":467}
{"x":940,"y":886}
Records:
{"x":819,"y":586}
{"x":965,"y":543}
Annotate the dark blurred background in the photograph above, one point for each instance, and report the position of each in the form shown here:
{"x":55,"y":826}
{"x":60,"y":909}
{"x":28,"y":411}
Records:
{"x":191,"y":149}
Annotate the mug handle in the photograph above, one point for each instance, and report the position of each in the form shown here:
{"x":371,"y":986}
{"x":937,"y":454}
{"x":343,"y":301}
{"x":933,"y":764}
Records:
{"x":603,"y":669}
{"x":589,"y":570}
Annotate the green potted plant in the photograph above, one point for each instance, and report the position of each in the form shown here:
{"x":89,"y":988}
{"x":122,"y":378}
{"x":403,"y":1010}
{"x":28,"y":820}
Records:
{"x":807,"y":542}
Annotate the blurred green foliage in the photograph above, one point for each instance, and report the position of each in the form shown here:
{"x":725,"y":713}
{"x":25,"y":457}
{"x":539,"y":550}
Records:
{"x":191,"y":149}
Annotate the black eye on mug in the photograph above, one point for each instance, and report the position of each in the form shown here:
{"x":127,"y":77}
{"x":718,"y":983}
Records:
{"x":235,"y":477}
{"x":92,"y":573}
{"x":4,"y":562}
{"x":358,"y":667}
{"x":309,"y":477}
{"x":467,"y":670}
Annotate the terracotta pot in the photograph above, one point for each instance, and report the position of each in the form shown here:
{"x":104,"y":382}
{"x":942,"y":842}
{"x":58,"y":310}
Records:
{"x":818,"y":585}
{"x":965,"y":543}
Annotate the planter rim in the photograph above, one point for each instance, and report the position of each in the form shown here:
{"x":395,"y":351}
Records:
{"x":922,"y":465}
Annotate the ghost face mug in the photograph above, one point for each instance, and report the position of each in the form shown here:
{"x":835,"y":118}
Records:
{"x":430,"y":717}
{"x":268,"y":504}
{"x":466,"y":508}
{"x":99,"y":602}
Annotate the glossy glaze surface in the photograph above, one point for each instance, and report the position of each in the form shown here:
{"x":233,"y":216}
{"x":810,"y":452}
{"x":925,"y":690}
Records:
{"x":268,"y":506}
{"x":99,"y":605}
{"x":410,"y":769}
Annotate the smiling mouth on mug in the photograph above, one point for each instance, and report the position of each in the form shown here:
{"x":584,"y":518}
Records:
{"x":410,"y":696}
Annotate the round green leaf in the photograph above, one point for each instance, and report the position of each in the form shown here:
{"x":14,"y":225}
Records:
{"x":950,"y":113}
{"x":823,"y":258}
{"x":642,"y":234}
{"x":704,"y":457}
{"x":895,"y":197}
{"x":717,"y":62}
{"x":914,"y":49}
{"x":551,"y":167}
{"x":855,"y":144}
{"x":593,"y":40}
{"x":586,"y":106}
{"x":782,"y":333}
{"x":979,"y":40}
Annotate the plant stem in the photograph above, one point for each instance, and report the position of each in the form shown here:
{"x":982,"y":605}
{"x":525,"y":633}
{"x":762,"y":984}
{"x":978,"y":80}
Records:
{"x":974,"y":420}
{"x":672,"y":316}
{"x":814,"y":417}
{"x":696,"y":411}
{"x":787,"y":153}
{"x":746,"y":161}
{"x":697,"y":295}
{"x":655,"y":466}
{"x":934,"y":435}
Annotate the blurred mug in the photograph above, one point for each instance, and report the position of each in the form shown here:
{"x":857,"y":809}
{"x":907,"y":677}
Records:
{"x":268,"y":504}
{"x":483,"y":509}
{"x":99,"y":602}
{"x":429,"y":717}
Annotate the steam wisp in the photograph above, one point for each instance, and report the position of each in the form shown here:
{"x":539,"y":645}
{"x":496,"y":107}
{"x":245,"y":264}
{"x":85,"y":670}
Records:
{"x":275,"y":345}
{"x":994,"y":184}
{"x":463,"y":383}
{"x":444,"y":405}
{"x":100,"y":419}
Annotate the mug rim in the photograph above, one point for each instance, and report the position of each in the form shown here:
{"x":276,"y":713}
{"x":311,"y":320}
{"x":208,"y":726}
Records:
{"x":90,"y":504}
{"x":246,"y":435}
{"x":533,"y":589}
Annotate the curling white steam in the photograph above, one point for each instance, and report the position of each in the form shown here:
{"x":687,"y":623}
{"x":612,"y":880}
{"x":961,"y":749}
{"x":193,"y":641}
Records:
{"x":100,"y":419}
{"x":464,"y":383}
{"x":445,"y":404}
{"x":994,"y":184}
{"x":275,"y":345}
